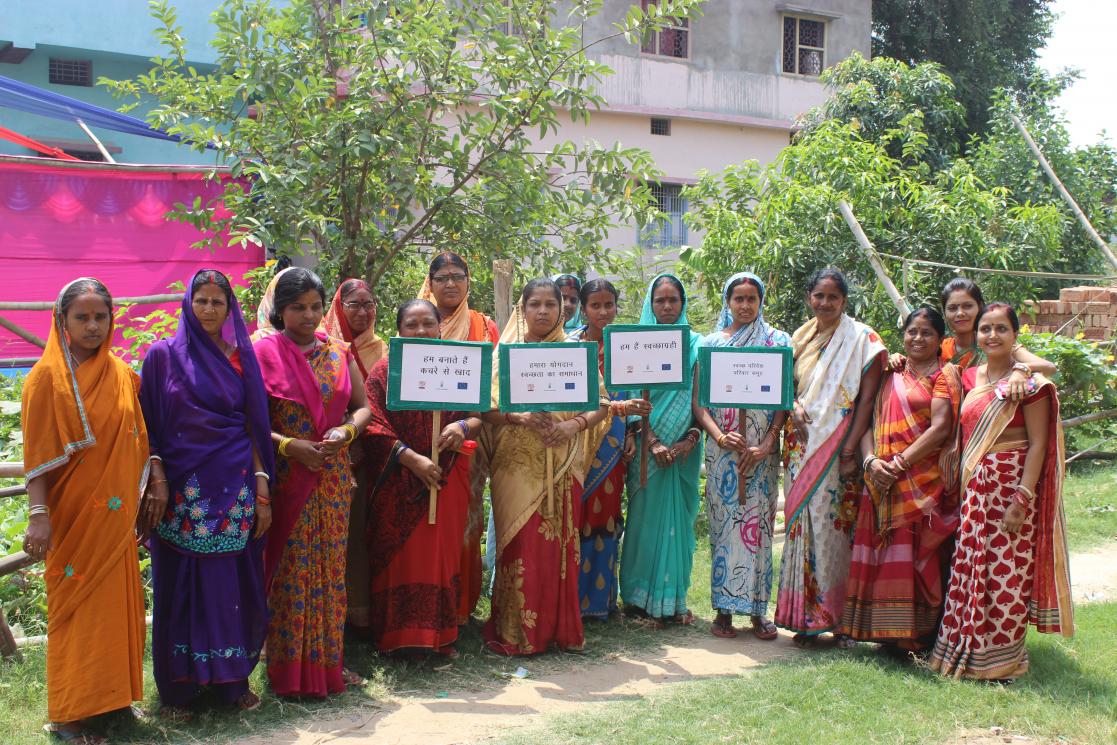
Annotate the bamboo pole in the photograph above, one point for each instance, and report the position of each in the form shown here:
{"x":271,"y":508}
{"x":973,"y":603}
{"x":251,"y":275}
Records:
{"x":11,"y":470}
{"x":741,"y":481}
{"x":167,"y":297}
{"x":436,"y":428}
{"x":550,"y":482}
{"x":89,"y":133}
{"x":1078,"y":213}
{"x":645,"y":435}
{"x":23,"y":333}
{"x":898,"y":300}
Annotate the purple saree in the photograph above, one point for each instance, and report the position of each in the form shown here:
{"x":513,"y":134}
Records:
{"x":204,"y":413}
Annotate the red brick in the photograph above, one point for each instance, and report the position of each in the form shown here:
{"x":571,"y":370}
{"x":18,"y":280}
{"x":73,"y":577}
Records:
{"x":1095,"y":334}
{"x":1072,"y":294}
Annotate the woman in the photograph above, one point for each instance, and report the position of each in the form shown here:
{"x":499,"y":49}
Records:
{"x":571,"y":288}
{"x":609,"y":450}
{"x":316,"y":412}
{"x":962,"y":301}
{"x":1010,"y":559}
{"x":838,"y":364}
{"x":659,"y":539}
{"x":535,"y":591}
{"x":447,"y":286}
{"x":207,"y":416}
{"x":352,"y":318}
{"x":742,"y":447}
{"x":415,"y":566}
{"x":85,"y":511}
{"x":909,"y":509}
{"x":264,"y":325}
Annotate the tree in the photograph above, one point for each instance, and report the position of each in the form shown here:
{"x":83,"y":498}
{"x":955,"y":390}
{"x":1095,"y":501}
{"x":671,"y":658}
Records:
{"x":982,"y":44}
{"x":375,"y":129}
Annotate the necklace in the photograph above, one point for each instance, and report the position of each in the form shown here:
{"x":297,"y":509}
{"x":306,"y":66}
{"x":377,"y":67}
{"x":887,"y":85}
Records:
{"x":990,"y":380}
{"x":933,"y":368}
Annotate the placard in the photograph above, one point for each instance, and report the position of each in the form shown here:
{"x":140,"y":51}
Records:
{"x":639,"y":357}
{"x":438,"y":374}
{"x":558,"y":376}
{"x":746,"y":377}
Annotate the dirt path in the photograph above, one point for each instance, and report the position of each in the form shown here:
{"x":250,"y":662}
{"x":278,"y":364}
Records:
{"x":477,"y":716}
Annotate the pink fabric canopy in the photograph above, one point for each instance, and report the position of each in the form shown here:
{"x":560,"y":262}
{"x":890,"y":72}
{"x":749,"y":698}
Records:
{"x":62,"y":220}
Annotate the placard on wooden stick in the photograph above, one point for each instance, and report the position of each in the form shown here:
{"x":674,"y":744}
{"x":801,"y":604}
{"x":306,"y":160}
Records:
{"x":436,"y":374}
{"x":648,"y":358}
{"x":557,"y":376}
{"x":746,"y":377}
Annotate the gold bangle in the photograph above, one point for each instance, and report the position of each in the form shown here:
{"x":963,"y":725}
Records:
{"x":351,"y":429}
{"x":283,"y":445}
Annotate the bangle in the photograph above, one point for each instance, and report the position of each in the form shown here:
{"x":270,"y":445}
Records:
{"x":1020,"y":500}
{"x":262,"y":500}
{"x":508,"y":418}
{"x":1028,"y":493}
{"x":156,"y":481}
{"x":264,"y":474}
{"x":583,"y":423}
{"x":868,"y":461}
{"x":38,"y":509}
{"x":351,"y":429}
{"x":465,"y":427}
{"x":721,"y":440}
{"x":283,"y":445}
{"x":899,"y":458}
{"x":156,"y":457}
{"x":1024,"y":368}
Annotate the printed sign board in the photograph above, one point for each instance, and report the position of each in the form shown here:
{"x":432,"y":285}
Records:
{"x":437,"y":374}
{"x":746,"y":377}
{"x":559,"y":376}
{"x":651,"y":358}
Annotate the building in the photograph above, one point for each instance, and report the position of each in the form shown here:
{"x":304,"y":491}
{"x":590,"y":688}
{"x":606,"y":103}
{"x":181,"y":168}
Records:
{"x":720,"y":89}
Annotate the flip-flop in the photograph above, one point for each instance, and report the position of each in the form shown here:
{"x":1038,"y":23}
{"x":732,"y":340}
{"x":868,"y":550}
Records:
{"x":351,"y":678}
{"x":74,"y":736}
{"x":684,"y":619}
{"x":765,"y":630}
{"x":723,"y":630}
{"x":248,"y":701}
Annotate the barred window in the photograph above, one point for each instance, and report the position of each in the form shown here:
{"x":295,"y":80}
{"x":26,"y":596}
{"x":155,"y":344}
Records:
{"x":70,"y":72}
{"x":673,"y":41}
{"x":670,"y":231}
{"x":804,"y":45}
{"x":661,"y":127}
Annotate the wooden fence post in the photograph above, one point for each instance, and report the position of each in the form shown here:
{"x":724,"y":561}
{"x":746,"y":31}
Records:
{"x":502,"y":291}
{"x":898,"y":300}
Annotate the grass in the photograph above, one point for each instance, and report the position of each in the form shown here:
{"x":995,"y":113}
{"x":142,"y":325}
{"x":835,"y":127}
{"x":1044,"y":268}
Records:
{"x":1071,"y":682}
{"x":863,"y":696}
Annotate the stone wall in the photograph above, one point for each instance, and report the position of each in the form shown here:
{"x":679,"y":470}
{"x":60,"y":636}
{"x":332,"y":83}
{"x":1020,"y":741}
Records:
{"x":1091,"y":311}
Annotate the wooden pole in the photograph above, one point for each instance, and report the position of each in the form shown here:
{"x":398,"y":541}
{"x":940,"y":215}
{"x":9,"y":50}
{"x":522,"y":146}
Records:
{"x":167,"y":297}
{"x":645,"y":435}
{"x":550,"y":482}
{"x":89,"y":133}
{"x":741,"y":480}
{"x":902,"y":306}
{"x":436,"y":429}
{"x":1078,"y":213}
{"x":23,"y":333}
{"x":11,"y":470}
{"x":502,"y":291}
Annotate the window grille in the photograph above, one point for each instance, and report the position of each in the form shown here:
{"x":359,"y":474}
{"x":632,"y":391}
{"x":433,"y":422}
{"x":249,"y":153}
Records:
{"x":673,"y":41}
{"x":670,"y":231}
{"x":804,"y":45}
{"x":70,"y":72}
{"x":661,"y":127}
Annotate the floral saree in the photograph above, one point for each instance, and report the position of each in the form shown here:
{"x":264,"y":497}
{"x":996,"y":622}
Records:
{"x":819,"y":506}
{"x":1000,"y":582}
{"x":84,"y":432}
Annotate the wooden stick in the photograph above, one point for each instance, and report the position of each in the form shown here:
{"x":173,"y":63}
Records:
{"x":645,"y":434}
{"x":550,"y":481}
{"x":436,"y":429}
{"x":1078,"y":213}
{"x":23,"y":333}
{"x":740,"y":474}
{"x":167,"y":297}
{"x":902,"y":306}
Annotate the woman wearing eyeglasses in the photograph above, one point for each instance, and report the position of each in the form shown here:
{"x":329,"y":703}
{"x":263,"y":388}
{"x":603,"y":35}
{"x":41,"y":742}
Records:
{"x":352,"y":318}
{"x":447,"y":286}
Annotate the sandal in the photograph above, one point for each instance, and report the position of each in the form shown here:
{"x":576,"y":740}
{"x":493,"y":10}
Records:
{"x":845,"y":641}
{"x":248,"y":701}
{"x":647,"y":622}
{"x":351,"y":678}
{"x":764,"y":629}
{"x":176,"y":714}
{"x":723,"y":629}
{"x":684,"y":619}
{"x":803,"y":640}
{"x":77,"y":736}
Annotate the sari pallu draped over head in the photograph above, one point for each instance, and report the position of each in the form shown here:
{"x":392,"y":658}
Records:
{"x":263,"y":310}
{"x":366,"y":346}
{"x":984,"y":419}
{"x":84,"y":432}
{"x":577,"y":321}
{"x":287,"y":375}
{"x":463,"y":324}
{"x":204,"y":419}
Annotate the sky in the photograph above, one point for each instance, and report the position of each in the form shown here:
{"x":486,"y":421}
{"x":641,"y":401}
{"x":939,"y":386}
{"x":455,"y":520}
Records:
{"x":1083,"y":39}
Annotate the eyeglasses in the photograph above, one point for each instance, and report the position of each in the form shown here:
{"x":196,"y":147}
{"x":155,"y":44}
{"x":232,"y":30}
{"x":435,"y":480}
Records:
{"x":441,"y":279}
{"x":354,"y":305}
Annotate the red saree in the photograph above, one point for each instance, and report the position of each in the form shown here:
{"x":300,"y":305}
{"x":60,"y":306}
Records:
{"x":1000,"y":582}
{"x":415,"y":567}
{"x":895,"y":588}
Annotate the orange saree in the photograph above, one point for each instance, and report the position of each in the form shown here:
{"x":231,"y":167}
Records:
{"x":84,"y":433}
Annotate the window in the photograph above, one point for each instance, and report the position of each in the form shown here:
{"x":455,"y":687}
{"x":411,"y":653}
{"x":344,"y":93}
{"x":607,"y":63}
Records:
{"x":673,"y":41}
{"x":670,"y":231}
{"x":661,"y":127}
{"x":70,"y":72}
{"x":804,"y":44}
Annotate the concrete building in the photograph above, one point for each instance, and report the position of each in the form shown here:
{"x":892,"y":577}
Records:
{"x":717,"y":90}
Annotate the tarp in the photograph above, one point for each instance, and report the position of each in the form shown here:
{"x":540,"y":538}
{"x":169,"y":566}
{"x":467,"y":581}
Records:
{"x":61,"y":220}
{"x":35,"y":100}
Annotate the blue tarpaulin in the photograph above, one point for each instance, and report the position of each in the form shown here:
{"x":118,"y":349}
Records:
{"x":35,"y":100}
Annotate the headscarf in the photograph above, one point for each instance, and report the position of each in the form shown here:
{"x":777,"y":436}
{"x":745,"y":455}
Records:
{"x":197,"y":409}
{"x":756,"y":333}
{"x":263,"y":311}
{"x":571,"y":280}
{"x":367,"y":347}
{"x":463,"y":324}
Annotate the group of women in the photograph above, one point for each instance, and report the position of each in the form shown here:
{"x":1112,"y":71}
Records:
{"x":282,"y":499}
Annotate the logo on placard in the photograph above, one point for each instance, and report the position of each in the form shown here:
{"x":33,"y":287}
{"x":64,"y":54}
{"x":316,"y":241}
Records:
{"x":569,"y":386}
{"x":463,"y":386}
{"x":765,"y":389}
{"x":666,"y":366}
{"x":728,"y":387}
{"x":630,"y":369}
{"x":531,"y":387}
{"x":422,"y":385}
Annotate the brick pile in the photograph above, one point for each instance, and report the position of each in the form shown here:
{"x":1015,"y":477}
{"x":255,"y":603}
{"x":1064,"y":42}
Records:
{"x":1091,"y":311}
